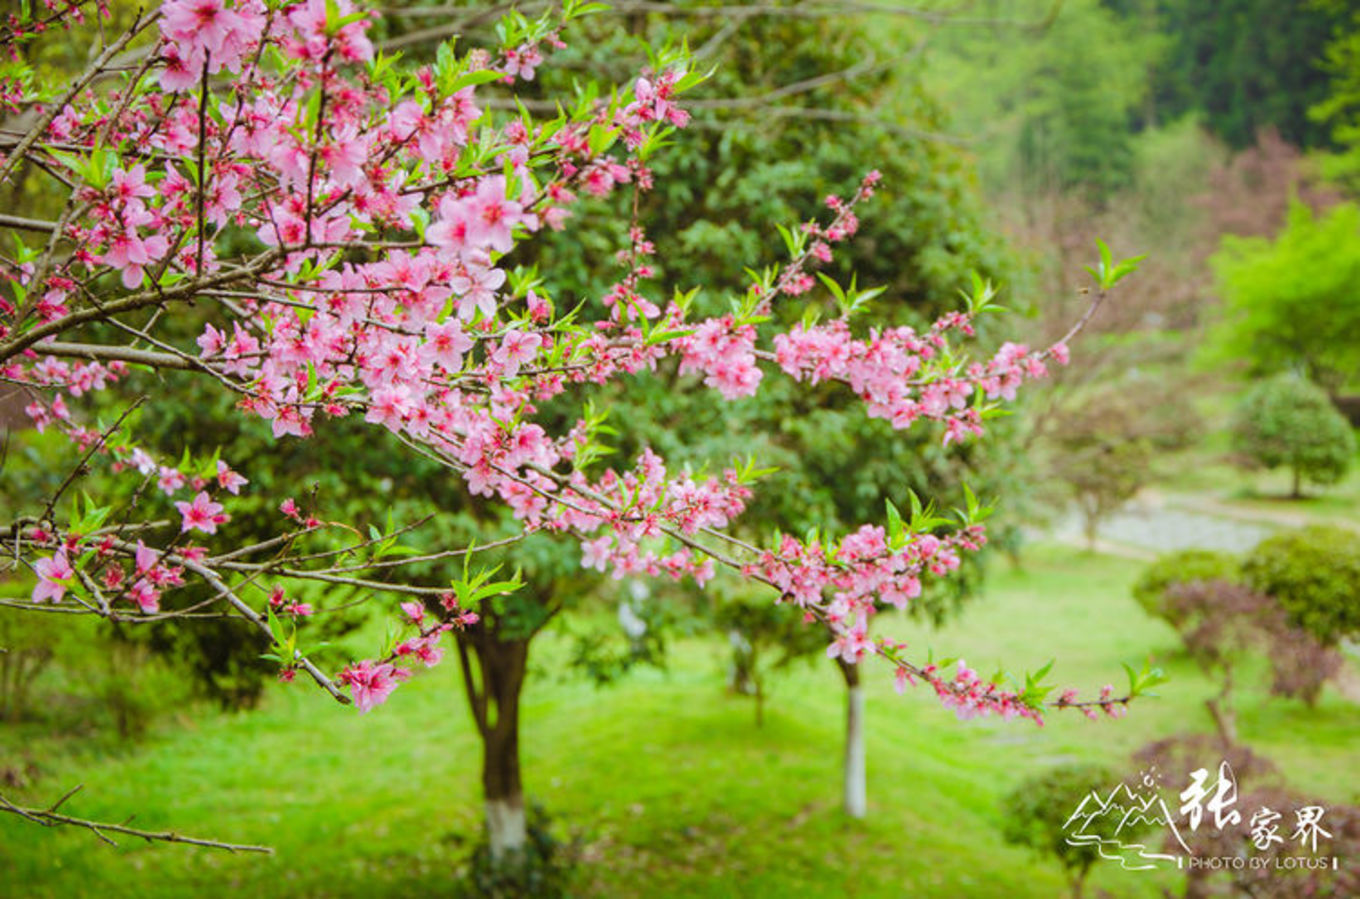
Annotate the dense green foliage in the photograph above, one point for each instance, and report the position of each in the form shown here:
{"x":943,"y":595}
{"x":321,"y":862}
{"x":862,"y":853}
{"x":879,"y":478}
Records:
{"x":1340,"y":108}
{"x":1056,"y":103}
{"x":1037,"y":816}
{"x":1053,"y":94}
{"x":1288,"y":421}
{"x":1241,"y":65}
{"x":746,"y":164}
{"x":1292,"y":301}
{"x":1314,"y":573}
{"x":1173,"y":569}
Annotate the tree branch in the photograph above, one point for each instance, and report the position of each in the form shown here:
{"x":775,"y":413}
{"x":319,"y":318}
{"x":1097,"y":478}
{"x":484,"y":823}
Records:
{"x":27,"y":224}
{"x":49,"y":817}
{"x":115,"y":353}
{"x":54,"y":109}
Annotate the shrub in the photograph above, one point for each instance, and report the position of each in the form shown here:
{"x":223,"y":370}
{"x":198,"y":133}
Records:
{"x":1220,"y":620}
{"x":1037,"y":813}
{"x":1290,"y":421}
{"x":1314,"y":574}
{"x":1185,"y":566}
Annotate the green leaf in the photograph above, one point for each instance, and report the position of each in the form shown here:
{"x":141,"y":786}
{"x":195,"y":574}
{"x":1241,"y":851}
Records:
{"x":472,"y":79}
{"x":897,"y":537}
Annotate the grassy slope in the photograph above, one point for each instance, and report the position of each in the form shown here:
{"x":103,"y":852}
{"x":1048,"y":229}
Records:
{"x":1216,"y":487}
{"x":675,"y":790}
{"x":1204,"y":477}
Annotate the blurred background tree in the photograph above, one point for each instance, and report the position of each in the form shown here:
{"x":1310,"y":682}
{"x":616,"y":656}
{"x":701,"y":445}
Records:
{"x":1287,"y":421}
{"x":1291,"y":301}
{"x":1037,"y":815}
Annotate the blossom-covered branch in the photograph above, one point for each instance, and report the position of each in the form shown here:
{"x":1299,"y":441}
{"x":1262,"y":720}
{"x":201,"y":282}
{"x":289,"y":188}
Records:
{"x":270,"y":204}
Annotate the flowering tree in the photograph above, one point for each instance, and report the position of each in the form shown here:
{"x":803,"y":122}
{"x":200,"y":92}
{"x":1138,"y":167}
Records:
{"x":251,"y":195}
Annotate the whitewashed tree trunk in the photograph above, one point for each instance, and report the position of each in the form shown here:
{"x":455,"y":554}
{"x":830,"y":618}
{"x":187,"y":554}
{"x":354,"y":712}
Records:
{"x":856,"y":794}
{"x":505,"y":826}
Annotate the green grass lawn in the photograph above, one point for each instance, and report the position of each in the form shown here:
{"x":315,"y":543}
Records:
{"x":665,"y":777}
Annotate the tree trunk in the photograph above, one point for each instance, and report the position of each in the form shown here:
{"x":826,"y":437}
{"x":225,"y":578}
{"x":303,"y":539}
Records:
{"x":1079,"y":883}
{"x":494,"y":698}
{"x":1297,"y":492}
{"x":855,"y":787}
{"x":1220,"y":708}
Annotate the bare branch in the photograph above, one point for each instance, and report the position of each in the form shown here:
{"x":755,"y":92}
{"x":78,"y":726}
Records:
{"x":155,"y":296}
{"x":254,"y":617}
{"x":49,"y":817}
{"x":98,"y":352}
{"x":27,"y":224}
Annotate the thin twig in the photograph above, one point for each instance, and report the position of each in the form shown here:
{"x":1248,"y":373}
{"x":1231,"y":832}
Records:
{"x":49,"y":817}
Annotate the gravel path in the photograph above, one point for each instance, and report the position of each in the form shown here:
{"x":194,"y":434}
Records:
{"x":1148,"y":526}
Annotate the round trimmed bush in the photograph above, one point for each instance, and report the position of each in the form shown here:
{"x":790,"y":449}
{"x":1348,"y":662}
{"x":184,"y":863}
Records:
{"x":1289,"y":421}
{"x":1036,"y":815}
{"x":1179,"y":568}
{"x":1314,"y":574}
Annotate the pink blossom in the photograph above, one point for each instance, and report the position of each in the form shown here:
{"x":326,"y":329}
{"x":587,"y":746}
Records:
{"x":145,"y":558}
{"x":230,"y":481}
{"x":198,"y":25}
{"x":131,"y":253}
{"x":445,"y":345}
{"x":596,"y":553}
{"x":131,"y":184}
{"x":425,"y":648}
{"x":145,"y":595}
{"x":211,"y":341}
{"x":170,"y":480}
{"x":390,"y":406}
{"x":492,"y":216}
{"x":517,"y":348}
{"x":201,"y":515}
{"x":372,"y":682}
{"x":55,"y":576}
{"x":476,"y":290}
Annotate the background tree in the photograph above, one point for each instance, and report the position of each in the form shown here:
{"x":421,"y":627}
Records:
{"x":1053,"y":103}
{"x":1180,"y":568}
{"x":1205,"y":597}
{"x":1037,"y":813}
{"x":764,"y":638}
{"x":1286,"y":421}
{"x":1218,"y":622}
{"x":1242,"y":65}
{"x":1339,"y":108}
{"x":1291,"y":301}
{"x":1100,"y":441}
